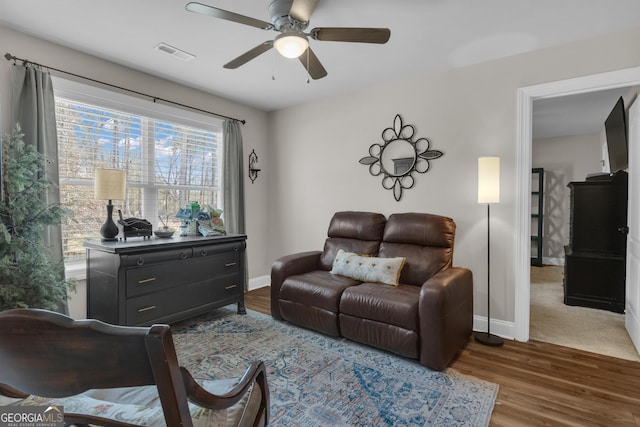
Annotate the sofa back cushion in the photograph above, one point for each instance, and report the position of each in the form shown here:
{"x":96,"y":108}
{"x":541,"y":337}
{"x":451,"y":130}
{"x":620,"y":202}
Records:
{"x":359,"y":232}
{"x":425,"y":240}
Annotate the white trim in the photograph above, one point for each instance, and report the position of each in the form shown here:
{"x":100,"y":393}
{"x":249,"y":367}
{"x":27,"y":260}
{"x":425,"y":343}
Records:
{"x":498,"y":327}
{"x":84,"y":93}
{"x":259,"y":282}
{"x":526,"y":96}
{"x":76,"y":270}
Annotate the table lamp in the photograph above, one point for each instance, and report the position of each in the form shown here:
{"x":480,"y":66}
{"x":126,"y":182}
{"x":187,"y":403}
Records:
{"x":109,"y":184}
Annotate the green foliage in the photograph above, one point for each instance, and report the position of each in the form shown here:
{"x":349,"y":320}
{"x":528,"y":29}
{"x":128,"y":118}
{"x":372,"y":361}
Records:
{"x":28,"y":276}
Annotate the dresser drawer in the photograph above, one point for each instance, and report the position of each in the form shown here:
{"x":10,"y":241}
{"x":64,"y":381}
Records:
{"x":153,"y":278}
{"x":146,"y":308}
{"x":218,"y":265}
{"x":156,"y":257}
{"x":211,"y":250}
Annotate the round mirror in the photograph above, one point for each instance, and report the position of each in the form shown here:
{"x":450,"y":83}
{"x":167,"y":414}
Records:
{"x":398,"y":157}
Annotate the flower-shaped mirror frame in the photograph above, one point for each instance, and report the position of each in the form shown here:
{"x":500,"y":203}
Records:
{"x":399,"y":156}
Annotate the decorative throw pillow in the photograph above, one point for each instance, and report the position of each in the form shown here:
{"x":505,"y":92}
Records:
{"x":367,"y":268}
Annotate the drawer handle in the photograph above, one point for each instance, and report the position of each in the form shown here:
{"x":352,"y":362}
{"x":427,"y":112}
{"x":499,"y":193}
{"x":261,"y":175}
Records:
{"x":183,"y":255}
{"x":203,"y":252}
{"x":230,"y":286}
{"x":230,"y":264}
{"x":142,"y":310}
{"x":150,"y":279}
{"x":140,"y":261}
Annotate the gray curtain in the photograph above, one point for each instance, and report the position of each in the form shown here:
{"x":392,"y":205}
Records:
{"x":233,"y":182}
{"x":33,"y":107}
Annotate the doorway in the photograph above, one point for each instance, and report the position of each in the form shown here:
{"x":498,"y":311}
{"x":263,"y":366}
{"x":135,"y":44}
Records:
{"x":526,"y":96}
{"x":568,"y":146}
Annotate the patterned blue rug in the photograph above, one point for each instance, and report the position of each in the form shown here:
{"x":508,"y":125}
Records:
{"x":317,"y":380}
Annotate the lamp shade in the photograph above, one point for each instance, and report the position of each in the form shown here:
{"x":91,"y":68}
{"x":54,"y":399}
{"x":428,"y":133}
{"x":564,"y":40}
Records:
{"x":110,"y":184}
{"x":489,"y":180}
{"x":291,"y":45}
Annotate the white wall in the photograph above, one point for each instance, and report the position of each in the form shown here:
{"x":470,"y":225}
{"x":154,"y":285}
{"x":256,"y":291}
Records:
{"x":254,"y":132}
{"x":467,"y":113}
{"x":564,"y":159}
{"x":309,"y":154}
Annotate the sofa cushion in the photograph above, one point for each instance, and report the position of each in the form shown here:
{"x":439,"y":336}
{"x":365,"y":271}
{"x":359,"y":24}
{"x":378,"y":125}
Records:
{"x":318,"y":288}
{"x":382,"y":335}
{"x":395,"y":305}
{"x":368,"y":268}
{"x":359,"y":232}
{"x":425,"y":240}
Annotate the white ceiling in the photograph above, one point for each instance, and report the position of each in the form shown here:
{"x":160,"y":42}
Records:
{"x":427,"y":36}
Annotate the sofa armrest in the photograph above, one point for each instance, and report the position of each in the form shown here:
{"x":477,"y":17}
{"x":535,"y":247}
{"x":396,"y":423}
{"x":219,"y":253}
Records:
{"x":290,"y":265}
{"x":446,"y":316}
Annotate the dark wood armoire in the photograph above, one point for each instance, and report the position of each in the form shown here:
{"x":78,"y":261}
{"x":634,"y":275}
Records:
{"x":594,"y":272}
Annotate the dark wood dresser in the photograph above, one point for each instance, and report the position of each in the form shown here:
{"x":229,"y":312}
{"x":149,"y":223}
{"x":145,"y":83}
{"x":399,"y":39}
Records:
{"x":594,"y":272}
{"x":144,"y":281}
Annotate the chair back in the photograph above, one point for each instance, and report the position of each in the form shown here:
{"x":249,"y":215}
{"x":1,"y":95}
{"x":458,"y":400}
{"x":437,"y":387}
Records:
{"x":359,"y":232}
{"x":425,"y":240}
{"x":49,"y":354}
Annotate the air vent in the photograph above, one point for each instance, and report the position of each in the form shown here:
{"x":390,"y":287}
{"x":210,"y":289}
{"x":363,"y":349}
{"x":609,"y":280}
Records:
{"x":180,"y":54}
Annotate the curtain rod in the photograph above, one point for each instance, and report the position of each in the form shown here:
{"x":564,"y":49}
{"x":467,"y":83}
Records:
{"x":10,"y":57}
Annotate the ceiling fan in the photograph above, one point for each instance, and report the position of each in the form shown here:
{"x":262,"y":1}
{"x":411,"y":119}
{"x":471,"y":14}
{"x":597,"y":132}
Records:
{"x":290,"y":18}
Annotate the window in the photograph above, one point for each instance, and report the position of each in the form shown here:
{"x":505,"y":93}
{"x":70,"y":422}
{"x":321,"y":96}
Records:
{"x":170,"y":159}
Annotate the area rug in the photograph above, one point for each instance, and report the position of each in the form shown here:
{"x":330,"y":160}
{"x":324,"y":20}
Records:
{"x":316,"y":380}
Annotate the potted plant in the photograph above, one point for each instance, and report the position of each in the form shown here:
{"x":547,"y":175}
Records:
{"x":29,"y":278}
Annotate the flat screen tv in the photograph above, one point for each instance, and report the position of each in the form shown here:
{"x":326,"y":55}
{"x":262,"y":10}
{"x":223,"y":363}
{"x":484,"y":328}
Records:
{"x":616,"y":131}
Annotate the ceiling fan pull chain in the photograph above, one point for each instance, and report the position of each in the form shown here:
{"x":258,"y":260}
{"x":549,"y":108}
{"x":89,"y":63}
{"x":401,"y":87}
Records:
{"x":273,"y":66}
{"x":308,"y":81}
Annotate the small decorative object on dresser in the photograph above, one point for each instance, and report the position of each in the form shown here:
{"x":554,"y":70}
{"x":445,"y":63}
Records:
{"x":164,"y":280}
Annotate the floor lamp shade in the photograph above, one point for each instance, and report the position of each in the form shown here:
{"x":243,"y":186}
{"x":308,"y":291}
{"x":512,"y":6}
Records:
{"x":489,"y":180}
{"x":109,"y":184}
{"x":488,"y":192}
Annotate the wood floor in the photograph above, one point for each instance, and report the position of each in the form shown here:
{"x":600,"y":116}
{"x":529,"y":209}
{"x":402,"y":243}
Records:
{"x":543,"y":384}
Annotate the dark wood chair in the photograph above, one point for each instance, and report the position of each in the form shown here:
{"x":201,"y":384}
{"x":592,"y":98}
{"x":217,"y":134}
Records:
{"x":47,"y":354}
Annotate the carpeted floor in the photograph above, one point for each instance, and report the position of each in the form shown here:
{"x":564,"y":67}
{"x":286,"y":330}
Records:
{"x":317,"y":380}
{"x":597,"y":331}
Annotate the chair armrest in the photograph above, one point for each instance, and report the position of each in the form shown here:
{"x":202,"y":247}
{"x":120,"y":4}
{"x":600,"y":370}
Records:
{"x":290,"y":265}
{"x":446,"y":316}
{"x":8,"y":391}
{"x":198,"y":395}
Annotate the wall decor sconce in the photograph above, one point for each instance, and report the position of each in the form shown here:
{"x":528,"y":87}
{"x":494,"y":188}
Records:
{"x":399,"y":156}
{"x":253,"y":170}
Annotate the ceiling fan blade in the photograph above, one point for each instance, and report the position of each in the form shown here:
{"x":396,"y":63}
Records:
{"x":311,"y":62}
{"x":356,"y":35}
{"x":301,"y":10}
{"x":204,"y":9}
{"x":249,"y":55}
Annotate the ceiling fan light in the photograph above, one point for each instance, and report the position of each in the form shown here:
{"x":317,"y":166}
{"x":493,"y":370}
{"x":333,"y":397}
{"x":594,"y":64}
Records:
{"x":291,"y":45}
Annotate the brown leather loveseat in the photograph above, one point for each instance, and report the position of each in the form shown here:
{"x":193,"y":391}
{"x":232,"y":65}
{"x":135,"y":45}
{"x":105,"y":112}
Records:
{"x":427,"y":316}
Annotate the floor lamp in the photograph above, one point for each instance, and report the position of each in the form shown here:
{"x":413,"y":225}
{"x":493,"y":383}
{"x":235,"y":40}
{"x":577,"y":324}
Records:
{"x":488,"y":192}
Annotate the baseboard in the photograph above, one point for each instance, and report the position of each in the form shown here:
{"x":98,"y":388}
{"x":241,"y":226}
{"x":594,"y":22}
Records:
{"x":552,"y":261}
{"x":501,"y":328}
{"x":259,"y":282}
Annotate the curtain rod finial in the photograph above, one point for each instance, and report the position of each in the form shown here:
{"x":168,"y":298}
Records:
{"x":9,"y":57}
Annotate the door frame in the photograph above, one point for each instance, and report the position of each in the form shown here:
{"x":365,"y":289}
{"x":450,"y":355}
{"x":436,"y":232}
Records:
{"x":526,"y":96}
